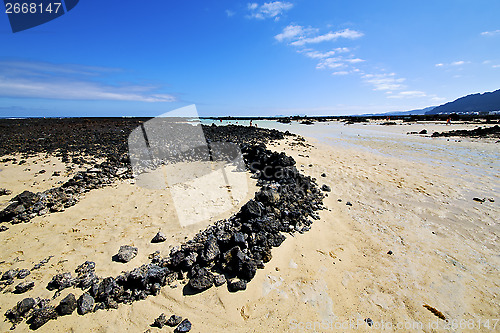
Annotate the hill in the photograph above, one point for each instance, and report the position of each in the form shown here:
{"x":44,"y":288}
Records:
{"x":401,"y":113}
{"x":486,"y":102}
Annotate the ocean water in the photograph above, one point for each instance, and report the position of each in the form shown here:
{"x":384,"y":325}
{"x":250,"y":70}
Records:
{"x":474,"y":161}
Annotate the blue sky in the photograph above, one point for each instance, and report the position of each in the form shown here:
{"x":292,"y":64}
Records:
{"x":250,"y":58}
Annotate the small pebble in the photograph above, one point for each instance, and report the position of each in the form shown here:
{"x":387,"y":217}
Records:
{"x":174,"y":320}
{"x":185,"y":326}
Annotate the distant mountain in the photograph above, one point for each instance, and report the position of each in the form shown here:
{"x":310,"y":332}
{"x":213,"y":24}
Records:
{"x":401,"y":113}
{"x":489,"y":101}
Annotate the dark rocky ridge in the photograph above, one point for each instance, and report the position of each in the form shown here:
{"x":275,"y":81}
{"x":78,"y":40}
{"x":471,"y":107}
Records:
{"x":102,"y":138}
{"x":480,"y":132}
{"x":233,"y":249}
{"x":485,"y":102}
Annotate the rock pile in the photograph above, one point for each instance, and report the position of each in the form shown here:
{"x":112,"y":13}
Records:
{"x":231,"y":250}
{"x":234,"y":248}
{"x":101,"y":138}
{"x":27,"y":205}
{"x":480,"y":132}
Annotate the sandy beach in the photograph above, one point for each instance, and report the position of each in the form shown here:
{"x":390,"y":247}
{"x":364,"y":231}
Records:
{"x":399,"y":232}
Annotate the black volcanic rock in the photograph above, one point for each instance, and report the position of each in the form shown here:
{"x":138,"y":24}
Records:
{"x":86,"y":276}
{"x":67,"y":305}
{"x":4,"y":191}
{"x":252,"y":209}
{"x":174,"y":320}
{"x":126,"y":253}
{"x":159,"y":237}
{"x":203,"y":280}
{"x":61,"y":281}
{"x":210,"y":250}
{"x":219,"y":280}
{"x":480,"y":132}
{"x":236,"y":285}
{"x":16,"y":314}
{"x":10,"y":274}
{"x":160,"y":321}
{"x":23,"y":273}
{"x":41,"y":316}
{"x":184,"y":326}
{"x":24,"y":287}
{"x":85,"y":304}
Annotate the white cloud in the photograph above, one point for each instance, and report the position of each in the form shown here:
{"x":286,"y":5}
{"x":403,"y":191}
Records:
{"x":293,"y":31}
{"x":384,"y":81}
{"x":269,"y":10}
{"x":332,"y":59}
{"x":310,"y":53}
{"x":230,"y":13}
{"x":409,"y":94}
{"x":319,"y":55}
{"x":23,"y":79}
{"x":346,"y":33}
{"x":354,"y":61}
{"x":490,"y":33}
{"x":454,"y":63}
{"x":438,"y":99}
{"x":331,"y":63}
{"x":495,"y":66}
{"x":340,"y":73}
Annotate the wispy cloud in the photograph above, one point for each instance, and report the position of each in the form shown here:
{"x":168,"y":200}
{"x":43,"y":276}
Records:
{"x":454,"y":63}
{"x":268,"y":10}
{"x":337,"y":62}
{"x":331,"y":63}
{"x":490,"y":33}
{"x":25,"y":79}
{"x":408,"y":94}
{"x":292,"y":32}
{"x":342,"y":61}
{"x":230,"y":13}
{"x":385,"y":81}
{"x":321,"y":55}
{"x":299,"y":36}
{"x":438,"y":99}
{"x":341,"y":73}
{"x":330,"y":36}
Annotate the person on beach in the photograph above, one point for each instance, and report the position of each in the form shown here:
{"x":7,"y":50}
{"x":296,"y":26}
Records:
{"x":448,"y":121}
